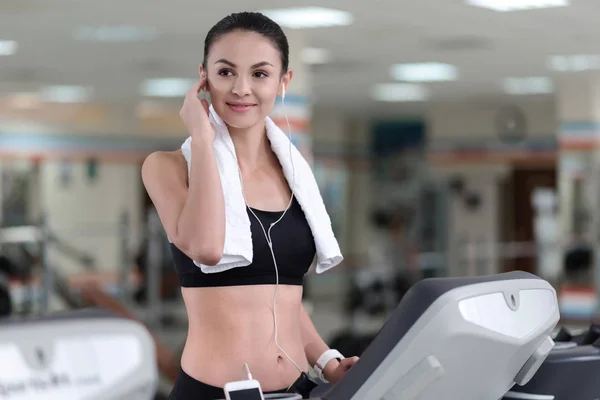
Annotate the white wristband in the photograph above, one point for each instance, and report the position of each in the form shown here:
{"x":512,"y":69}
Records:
{"x":327,"y":356}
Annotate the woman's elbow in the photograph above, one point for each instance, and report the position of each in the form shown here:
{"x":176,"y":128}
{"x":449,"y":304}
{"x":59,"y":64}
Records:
{"x":209,"y":257}
{"x":205,"y":254}
{"x":207,"y":250}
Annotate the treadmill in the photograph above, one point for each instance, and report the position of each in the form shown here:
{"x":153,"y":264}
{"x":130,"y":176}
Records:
{"x":469,"y":338}
{"x":86,"y":354}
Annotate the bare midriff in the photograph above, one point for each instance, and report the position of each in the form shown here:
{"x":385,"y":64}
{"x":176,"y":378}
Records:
{"x":230,"y":326}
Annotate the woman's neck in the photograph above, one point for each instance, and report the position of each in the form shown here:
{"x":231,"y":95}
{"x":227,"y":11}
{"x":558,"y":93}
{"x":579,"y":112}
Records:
{"x":252,"y":146}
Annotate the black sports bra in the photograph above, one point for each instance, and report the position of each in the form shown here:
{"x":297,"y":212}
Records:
{"x":293,"y":245}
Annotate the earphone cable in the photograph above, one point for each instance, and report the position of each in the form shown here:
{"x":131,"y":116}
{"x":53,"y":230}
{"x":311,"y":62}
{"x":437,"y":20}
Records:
{"x":267,"y":235}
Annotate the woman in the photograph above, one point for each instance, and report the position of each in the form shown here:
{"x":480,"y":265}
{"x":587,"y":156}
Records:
{"x":230,"y":315}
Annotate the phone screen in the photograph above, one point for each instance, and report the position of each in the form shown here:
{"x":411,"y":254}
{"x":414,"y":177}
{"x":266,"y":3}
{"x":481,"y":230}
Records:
{"x":245,"y":394}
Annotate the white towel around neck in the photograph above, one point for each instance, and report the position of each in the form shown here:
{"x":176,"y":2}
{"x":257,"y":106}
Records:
{"x":237,"y":250}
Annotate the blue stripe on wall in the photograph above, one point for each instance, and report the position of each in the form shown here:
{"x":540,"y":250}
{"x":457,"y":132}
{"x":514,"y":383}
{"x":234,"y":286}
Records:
{"x":294,"y":99}
{"x":47,"y":143}
{"x":54,"y":142}
{"x":86,"y":142}
{"x":578,"y":126}
{"x":41,"y":142}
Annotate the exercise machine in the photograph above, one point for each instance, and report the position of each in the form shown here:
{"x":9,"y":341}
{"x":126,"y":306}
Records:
{"x":449,"y":338}
{"x":569,"y":372}
{"x":86,"y":354}
{"x":456,"y":338}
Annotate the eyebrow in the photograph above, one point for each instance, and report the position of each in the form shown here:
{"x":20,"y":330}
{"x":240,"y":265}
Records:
{"x":257,"y":65}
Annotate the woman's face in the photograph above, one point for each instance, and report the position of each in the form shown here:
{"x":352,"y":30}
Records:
{"x":244,"y":78}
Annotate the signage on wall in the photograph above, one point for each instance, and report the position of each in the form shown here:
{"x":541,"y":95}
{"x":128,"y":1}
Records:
{"x":92,"y":169}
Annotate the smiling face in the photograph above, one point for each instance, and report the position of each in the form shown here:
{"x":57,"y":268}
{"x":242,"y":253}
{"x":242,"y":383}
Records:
{"x":245,"y":76}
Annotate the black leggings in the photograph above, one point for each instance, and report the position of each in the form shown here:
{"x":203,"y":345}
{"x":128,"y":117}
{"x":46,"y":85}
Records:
{"x":188,"y":388}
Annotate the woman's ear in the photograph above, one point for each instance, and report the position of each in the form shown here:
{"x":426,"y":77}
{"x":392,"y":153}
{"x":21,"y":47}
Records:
{"x":285,"y":82}
{"x":203,"y":75}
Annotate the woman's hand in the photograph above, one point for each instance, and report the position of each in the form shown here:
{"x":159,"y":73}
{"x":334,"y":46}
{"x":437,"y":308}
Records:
{"x":334,"y":373}
{"x":194,"y":112}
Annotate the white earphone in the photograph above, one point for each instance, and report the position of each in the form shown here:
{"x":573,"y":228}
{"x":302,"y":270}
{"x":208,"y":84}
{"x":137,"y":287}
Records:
{"x":282,"y":91}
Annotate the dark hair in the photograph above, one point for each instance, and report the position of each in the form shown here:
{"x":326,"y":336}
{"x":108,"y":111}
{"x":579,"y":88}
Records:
{"x":250,"y":22}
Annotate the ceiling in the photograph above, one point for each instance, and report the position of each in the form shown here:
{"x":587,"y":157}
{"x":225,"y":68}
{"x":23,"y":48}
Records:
{"x":486,"y":46}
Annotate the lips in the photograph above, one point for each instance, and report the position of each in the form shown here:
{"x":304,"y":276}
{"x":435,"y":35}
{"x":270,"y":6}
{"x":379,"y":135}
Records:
{"x":241,"y":104}
{"x":240,"y":107}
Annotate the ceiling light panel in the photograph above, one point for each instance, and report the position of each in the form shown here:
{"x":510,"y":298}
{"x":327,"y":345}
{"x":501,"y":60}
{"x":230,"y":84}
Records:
{"x":424,"y":72}
{"x":574,"y":63}
{"x":528,"y":85}
{"x":309,"y":17}
{"x":8,"y":47}
{"x":399,"y":92}
{"x":166,"y":87}
{"x":517,"y":5}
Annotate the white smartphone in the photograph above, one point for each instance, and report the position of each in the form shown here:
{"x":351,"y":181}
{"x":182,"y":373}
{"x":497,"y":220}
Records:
{"x":243,"y":390}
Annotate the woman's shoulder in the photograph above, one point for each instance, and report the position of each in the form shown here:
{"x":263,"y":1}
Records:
{"x":161,"y":161}
{"x":163,"y":158}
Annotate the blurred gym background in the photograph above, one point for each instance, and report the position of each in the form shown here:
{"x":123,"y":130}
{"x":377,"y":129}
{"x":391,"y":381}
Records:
{"x":449,"y":138}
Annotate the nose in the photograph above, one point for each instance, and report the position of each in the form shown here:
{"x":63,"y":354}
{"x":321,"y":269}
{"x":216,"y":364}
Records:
{"x":241,"y":86}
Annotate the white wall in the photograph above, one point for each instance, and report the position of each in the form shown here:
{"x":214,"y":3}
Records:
{"x":457,"y":122}
{"x":87,"y":214}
